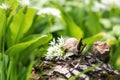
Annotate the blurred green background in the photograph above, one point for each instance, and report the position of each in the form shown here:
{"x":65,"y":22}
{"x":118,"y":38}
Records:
{"x":26,"y":27}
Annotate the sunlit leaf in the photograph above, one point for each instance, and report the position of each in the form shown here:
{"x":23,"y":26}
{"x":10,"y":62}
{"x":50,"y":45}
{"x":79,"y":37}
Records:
{"x":72,"y":28}
{"x":31,"y":37}
{"x":20,"y":25}
{"x":94,"y":38}
{"x":2,"y":25}
{"x":15,"y":28}
{"x":93,"y":24}
{"x":106,"y":23}
{"x":13,"y":6}
{"x":24,"y":49}
{"x":116,"y":30}
{"x":1,"y":1}
{"x":115,"y":58}
{"x":29,"y":17}
{"x":36,"y":44}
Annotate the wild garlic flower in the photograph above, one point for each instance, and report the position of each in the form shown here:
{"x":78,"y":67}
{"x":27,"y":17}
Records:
{"x":99,"y":6}
{"x":50,"y":11}
{"x":55,"y":49}
{"x":24,"y":2}
{"x":105,"y":5}
{"x":4,"y":6}
{"x":111,"y":3}
{"x":87,"y":2}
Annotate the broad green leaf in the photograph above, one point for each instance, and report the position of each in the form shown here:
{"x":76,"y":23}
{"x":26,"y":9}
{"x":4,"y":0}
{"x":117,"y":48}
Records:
{"x":3,"y":66}
{"x":25,"y":49}
{"x":30,"y":37}
{"x":1,"y":1}
{"x":12,"y":10}
{"x":20,"y":25}
{"x":33,"y":46}
{"x":94,"y":38}
{"x":115,"y":57}
{"x":41,"y":51}
{"x":72,"y":28}
{"x":2,"y":25}
{"x":15,"y":28}
{"x":93,"y":24}
{"x":78,"y":15}
{"x":29,"y":17}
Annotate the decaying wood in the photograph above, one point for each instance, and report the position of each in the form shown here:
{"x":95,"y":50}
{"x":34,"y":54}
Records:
{"x":74,"y":64}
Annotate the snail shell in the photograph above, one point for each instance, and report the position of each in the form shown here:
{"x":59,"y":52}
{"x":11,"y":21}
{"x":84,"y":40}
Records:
{"x":71,"y":45}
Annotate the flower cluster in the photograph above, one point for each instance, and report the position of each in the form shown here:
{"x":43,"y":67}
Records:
{"x":24,"y":2}
{"x":4,"y":6}
{"x":50,"y":11}
{"x":99,"y":5}
{"x":55,"y":49}
{"x":112,"y":3}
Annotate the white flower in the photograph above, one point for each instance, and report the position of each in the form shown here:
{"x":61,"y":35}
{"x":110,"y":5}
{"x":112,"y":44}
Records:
{"x":50,"y":11}
{"x":111,"y":3}
{"x":87,"y":2}
{"x":4,"y":6}
{"x":61,"y":41}
{"x":52,"y":43}
{"x":115,"y":20}
{"x":24,"y":2}
{"x":43,"y":1}
{"x":55,"y":49}
{"x":99,"y":6}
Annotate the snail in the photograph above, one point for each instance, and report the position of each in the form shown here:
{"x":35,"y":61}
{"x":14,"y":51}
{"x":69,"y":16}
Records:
{"x":71,"y":45}
{"x":74,"y":46}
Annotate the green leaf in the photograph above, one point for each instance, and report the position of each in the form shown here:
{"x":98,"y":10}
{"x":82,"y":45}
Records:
{"x":2,"y":25}
{"x":29,"y":17}
{"x":24,"y":49}
{"x":13,"y":8}
{"x":36,"y":44}
{"x":115,"y":57}
{"x":31,"y":37}
{"x":72,"y":28}
{"x":20,"y":25}
{"x":41,"y":51}
{"x":1,"y":1}
{"x":93,"y":24}
{"x":94,"y":38}
{"x":15,"y":28}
